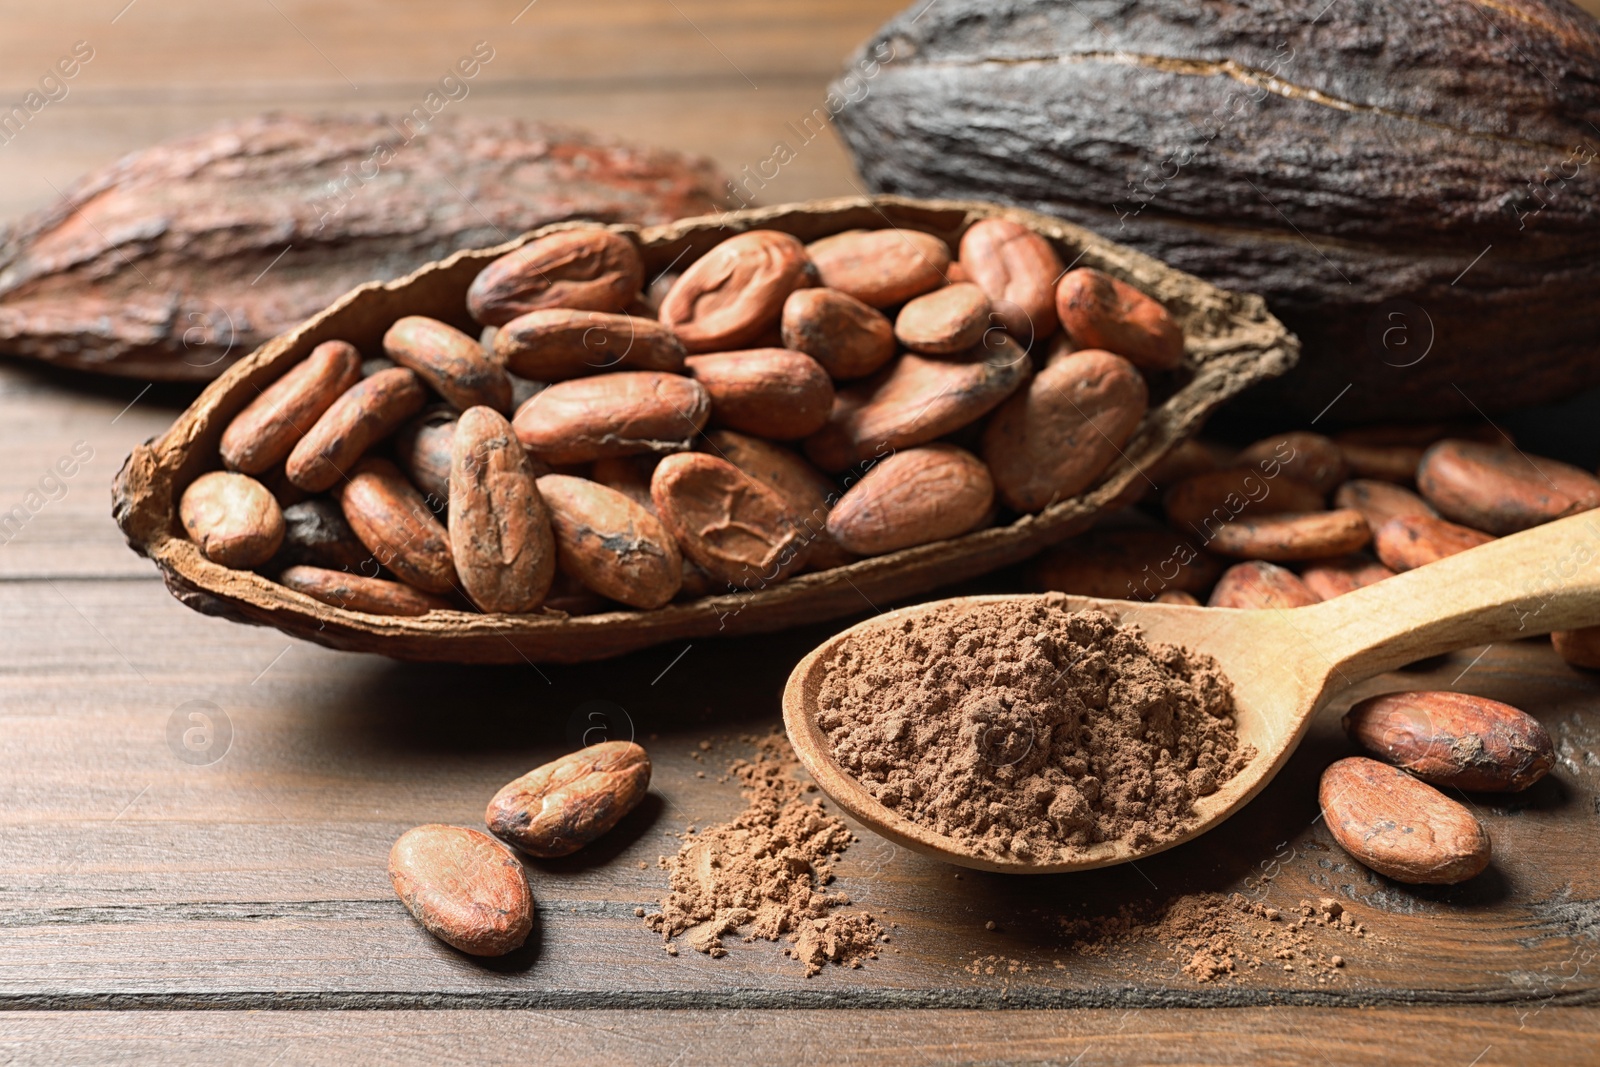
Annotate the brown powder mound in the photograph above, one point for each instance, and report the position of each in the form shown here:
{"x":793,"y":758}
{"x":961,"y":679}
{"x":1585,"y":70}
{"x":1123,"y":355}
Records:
{"x":1031,"y":733}
{"x":763,"y":874}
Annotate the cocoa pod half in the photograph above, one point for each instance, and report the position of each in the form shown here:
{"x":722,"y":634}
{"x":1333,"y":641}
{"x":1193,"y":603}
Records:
{"x":1398,"y":826}
{"x":1453,"y":739}
{"x":556,"y":809}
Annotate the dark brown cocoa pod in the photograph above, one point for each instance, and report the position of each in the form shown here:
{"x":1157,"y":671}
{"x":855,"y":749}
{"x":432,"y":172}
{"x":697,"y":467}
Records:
{"x":768,"y":392}
{"x":1259,"y":584}
{"x":1126,"y":563}
{"x":734,"y":293}
{"x":422,"y":448}
{"x":1380,"y":501}
{"x":850,"y":339}
{"x":500,"y":539}
{"x":1410,"y":541}
{"x":556,"y":809}
{"x":1500,"y":489}
{"x":397,"y":526}
{"x":232,"y":518}
{"x":881,"y":267}
{"x":1018,"y":270}
{"x":263,"y":434}
{"x":946,"y":321}
{"x":1453,"y":739}
{"x":1099,"y":311}
{"x":557,"y":344}
{"x":357,"y":592}
{"x":740,"y":531}
{"x":452,"y":363}
{"x":913,"y":497}
{"x":1329,"y":578}
{"x":609,"y":544}
{"x":368,"y":412}
{"x":586,"y":270}
{"x":621,"y":414}
{"x":315,"y":534}
{"x":1306,"y":457}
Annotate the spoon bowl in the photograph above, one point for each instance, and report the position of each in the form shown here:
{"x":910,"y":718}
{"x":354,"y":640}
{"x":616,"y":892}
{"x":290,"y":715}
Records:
{"x":1284,"y":664}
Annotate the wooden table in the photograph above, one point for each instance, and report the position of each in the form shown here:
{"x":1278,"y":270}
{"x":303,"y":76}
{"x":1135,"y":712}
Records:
{"x":237,"y":910}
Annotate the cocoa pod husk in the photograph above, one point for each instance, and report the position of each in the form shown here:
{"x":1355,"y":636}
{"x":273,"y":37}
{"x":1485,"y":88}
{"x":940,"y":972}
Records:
{"x":500,"y":539}
{"x":911,"y":498}
{"x":556,"y":809}
{"x":1499,"y":489}
{"x":1399,"y":826}
{"x":767,"y":392}
{"x":112,"y":280}
{"x":1453,"y":739}
{"x":739,"y":530}
{"x":232,"y":518}
{"x":464,"y":887}
{"x":357,"y":592}
{"x":850,"y":339}
{"x":263,"y":434}
{"x":396,"y":524}
{"x":609,"y":544}
{"x":583,"y":270}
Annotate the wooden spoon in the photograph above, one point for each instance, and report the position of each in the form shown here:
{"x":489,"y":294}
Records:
{"x":1284,"y":663}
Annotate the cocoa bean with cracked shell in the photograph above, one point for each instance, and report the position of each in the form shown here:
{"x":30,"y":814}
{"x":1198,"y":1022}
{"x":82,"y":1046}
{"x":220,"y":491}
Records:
{"x":735,"y":292}
{"x":809,"y":493}
{"x":396,"y":524}
{"x":911,"y":498}
{"x":1380,"y":501}
{"x":500,"y":537}
{"x":1126,"y":563}
{"x":850,"y":339}
{"x":1306,"y":457}
{"x":232,"y":519}
{"x":586,"y":270}
{"x":556,"y":809}
{"x":1099,"y":311}
{"x":556,"y":344}
{"x":1399,"y":826}
{"x":1499,"y":489}
{"x":609,"y":544}
{"x":881,"y":267}
{"x":945,"y":321}
{"x":1329,"y":578}
{"x":368,"y":412}
{"x":1453,"y":739}
{"x":464,"y":887}
{"x":358,"y":592}
{"x":619,"y":414}
{"x":452,"y":363}
{"x":1259,"y":584}
{"x":1292,"y":535}
{"x":266,"y":431}
{"x":1017,"y":269}
{"x":738,"y":529}
{"x":767,"y":392}
{"x":1059,"y":433}
{"x":1410,"y":541}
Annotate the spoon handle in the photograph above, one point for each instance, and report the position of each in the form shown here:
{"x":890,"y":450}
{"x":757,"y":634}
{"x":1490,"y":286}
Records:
{"x":1543,"y":579}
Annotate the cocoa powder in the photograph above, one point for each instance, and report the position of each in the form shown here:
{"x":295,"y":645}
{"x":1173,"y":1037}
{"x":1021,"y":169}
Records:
{"x":1031,"y":732}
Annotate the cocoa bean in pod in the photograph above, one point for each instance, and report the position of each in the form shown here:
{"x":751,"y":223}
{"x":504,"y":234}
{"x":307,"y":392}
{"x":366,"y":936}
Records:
{"x":586,"y":270}
{"x":556,"y":809}
{"x":1259,"y":584}
{"x":557,"y":344}
{"x":397,"y":526}
{"x":619,"y":414}
{"x":809,"y":493}
{"x":1380,"y":501}
{"x":1410,"y":541}
{"x":315,"y":534}
{"x":368,"y":412}
{"x":734,"y":293}
{"x":452,"y":363}
{"x":610,"y":544}
{"x":917,"y":399}
{"x":1581,"y":648}
{"x":263,"y":434}
{"x":1058,"y":434}
{"x":739,"y":530}
{"x":628,"y":475}
{"x":1099,"y":311}
{"x":1018,"y":269}
{"x":769,"y":392}
{"x":1329,"y":578}
{"x":945,"y":321}
{"x":1203,"y":503}
{"x":500,"y":539}
{"x":1499,"y":489}
{"x":1293,"y":535}
{"x":1306,"y":457}
{"x":1400,"y":827}
{"x":232,"y":518}
{"x":464,"y":887}
{"x":911,"y":498}
{"x":1453,"y":739}
{"x":849,"y":338}
{"x":1126,"y":563}
{"x":423,"y":448}
{"x":357,"y":592}
{"x":881,"y":267}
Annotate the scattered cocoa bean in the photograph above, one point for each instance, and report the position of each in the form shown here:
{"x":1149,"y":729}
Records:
{"x":881,"y":267}
{"x":1410,"y":541}
{"x":1380,"y":501}
{"x":1400,"y":827}
{"x":397,"y":526}
{"x":1259,"y":584}
{"x":1329,"y":578}
{"x":499,"y":528}
{"x":911,"y":498}
{"x":1099,"y":311}
{"x":738,"y":530}
{"x":368,"y":412}
{"x":945,"y":321}
{"x":356,"y":592}
{"x":1292,"y":536}
{"x":556,"y":344}
{"x":264,"y":433}
{"x":1017,"y":269}
{"x":464,"y":887}
{"x":585,"y":270}
{"x":1306,"y":457}
{"x":556,"y":809}
{"x":768,"y":392}
{"x":452,"y":363}
{"x":728,"y":297}
{"x":849,"y":338}
{"x":618,"y":414}
{"x":232,"y":519}
{"x":1453,"y":739}
{"x":610,"y":544}
{"x":1501,"y":490}
{"x":1203,"y":503}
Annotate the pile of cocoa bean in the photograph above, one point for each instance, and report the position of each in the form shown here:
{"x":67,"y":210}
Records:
{"x":776,"y":407}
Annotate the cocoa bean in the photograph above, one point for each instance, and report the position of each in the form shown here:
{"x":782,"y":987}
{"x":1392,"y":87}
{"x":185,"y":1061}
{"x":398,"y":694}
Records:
{"x":1581,"y":647}
{"x":556,"y":809}
{"x":769,"y":392}
{"x":422,"y":448}
{"x":356,"y":592}
{"x":1380,"y":501}
{"x":464,"y":887}
{"x":1099,"y":311}
{"x":849,"y":338}
{"x":1179,"y":597}
{"x":315,"y":534}
{"x":1389,"y":463}
{"x":809,"y":493}
{"x":1017,"y":269}
{"x":1057,"y":435}
{"x":499,"y":528}
{"x":1329,"y":578}
{"x":557,"y":344}
{"x":610,"y":544}
{"x":397,"y":526}
{"x":450,"y":362}
{"x":232,"y":518}
{"x":1501,"y":490}
{"x":628,"y":475}
{"x":1306,"y":457}
{"x":1126,"y":563}
{"x":1204,"y":503}
{"x":1453,"y":739}
{"x":585,"y":270}
{"x":263,"y":434}
{"x":728,"y":297}
{"x":368,"y":412}
{"x":619,"y":414}
{"x":1259,"y":584}
{"x":945,"y":321}
{"x":1292,"y":536}
{"x":1398,"y":826}
{"x":911,"y":498}
{"x":881,"y":267}
{"x":737,"y":529}
{"x":1410,"y":541}
{"x":1189,"y":457}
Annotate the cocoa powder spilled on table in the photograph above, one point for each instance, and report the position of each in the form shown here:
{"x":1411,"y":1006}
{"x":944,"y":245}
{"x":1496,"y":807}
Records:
{"x":763,"y":874}
{"x":1031,"y":732}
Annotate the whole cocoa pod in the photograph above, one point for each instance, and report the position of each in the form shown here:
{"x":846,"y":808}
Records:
{"x":556,"y":809}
